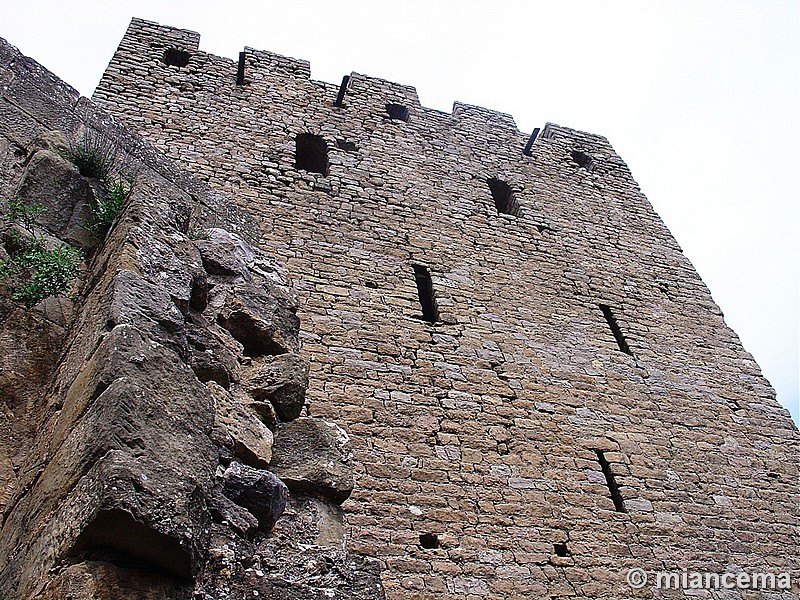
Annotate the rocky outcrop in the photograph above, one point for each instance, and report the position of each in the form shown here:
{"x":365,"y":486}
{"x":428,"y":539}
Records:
{"x":144,"y":413}
{"x":313,"y":456}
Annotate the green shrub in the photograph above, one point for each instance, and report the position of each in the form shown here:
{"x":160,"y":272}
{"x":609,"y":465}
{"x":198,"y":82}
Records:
{"x":37,"y":273}
{"x":106,"y":208}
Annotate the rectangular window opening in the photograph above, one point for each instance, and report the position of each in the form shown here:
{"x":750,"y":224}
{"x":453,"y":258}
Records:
{"x":425,"y":290}
{"x":612,"y":323}
{"x":613,"y":488}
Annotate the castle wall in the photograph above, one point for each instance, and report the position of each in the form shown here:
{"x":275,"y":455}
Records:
{"x":488,"y":428}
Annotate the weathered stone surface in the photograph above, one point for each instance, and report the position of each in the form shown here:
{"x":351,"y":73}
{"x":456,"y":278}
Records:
{"x":225,"y":253}
{"x":117,"y":421}
{"x":227,"y":512}
{"x":482,"y":427}
{"x":266,"y":413}
{"x":100,"y":579}
{"x":263,"y":323}
{"x":260,"y":492}
{"x":313,"y":456}
{"x":312,"y":520}
{"x":212,"y":359}
{"x":169,"y":259}
{"x":54,"y":183}
{"x":282,"y":380}
{"x":252,"y":440}
{"x":315,"y":574}
{"x":135,"y":301}
{"x":479,"y":432}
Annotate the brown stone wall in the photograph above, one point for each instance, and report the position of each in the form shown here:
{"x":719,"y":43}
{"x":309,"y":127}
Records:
{"x":484,"y":428}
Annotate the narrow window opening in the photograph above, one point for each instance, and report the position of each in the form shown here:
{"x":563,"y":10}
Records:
{"x":371,"y":284}
{"x":426,"y":297}
{"x":429,"y":541}
{"x":176,"y":58}
{"x":611,"y":482}
{"x":311,"y":153}
{"x":561,"y":550}
{"x":397,"y":111}
{"x":504,"y":199}
{"x":612,"y":323}
{"x":240,"y":69}
{"x":339,"y":102}
{"x":582,"y":160}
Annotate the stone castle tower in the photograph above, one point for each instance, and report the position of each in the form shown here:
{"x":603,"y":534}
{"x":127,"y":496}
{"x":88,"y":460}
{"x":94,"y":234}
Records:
{"x":539,"y":391}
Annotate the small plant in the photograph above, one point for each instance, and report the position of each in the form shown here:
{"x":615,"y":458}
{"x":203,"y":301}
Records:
{"x":38,"y":273}
{"x":95,"y":154}
{"x":106,"y":208}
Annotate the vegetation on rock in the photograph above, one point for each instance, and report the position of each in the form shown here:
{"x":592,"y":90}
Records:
{"x":36,"y":272}
{"x":95,"y":154}
{"x":106,"y":206}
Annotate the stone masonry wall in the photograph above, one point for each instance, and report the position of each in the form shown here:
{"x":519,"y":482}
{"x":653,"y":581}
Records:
{"x":484,"y":442}
{"x":155,"y":443}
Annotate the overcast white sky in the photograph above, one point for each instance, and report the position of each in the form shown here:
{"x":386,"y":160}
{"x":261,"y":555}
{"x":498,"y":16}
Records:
{"x":700,"y":97}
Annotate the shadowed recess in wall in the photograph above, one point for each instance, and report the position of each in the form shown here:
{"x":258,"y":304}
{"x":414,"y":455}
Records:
{"x":311,"y":154}
{"x":116,"y":537}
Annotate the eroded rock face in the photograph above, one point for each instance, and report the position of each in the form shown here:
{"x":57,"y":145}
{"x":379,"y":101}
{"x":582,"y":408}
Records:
{"x":225,"y":254}
{"x":282,"y":380}
{"x":250,"y":439}
{"x":55,"y":184}
{"x":258,"y":491}
{"x":259,"y":320}
{"x":312,"y":456}
{"x":134,"y":463}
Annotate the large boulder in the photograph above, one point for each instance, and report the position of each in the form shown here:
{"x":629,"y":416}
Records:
{"x":282,"y":380}
{"x":313,"y":456}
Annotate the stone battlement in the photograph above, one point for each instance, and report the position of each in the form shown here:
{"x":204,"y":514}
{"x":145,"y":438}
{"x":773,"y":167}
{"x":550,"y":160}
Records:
{"x":148,"y":44}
